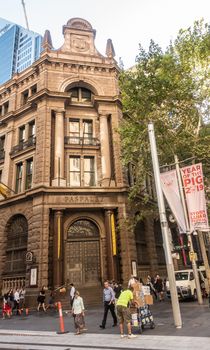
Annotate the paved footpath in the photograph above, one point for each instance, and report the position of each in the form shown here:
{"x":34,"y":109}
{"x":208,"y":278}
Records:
{"x":38,"y":331}
{"x":52,"y":341}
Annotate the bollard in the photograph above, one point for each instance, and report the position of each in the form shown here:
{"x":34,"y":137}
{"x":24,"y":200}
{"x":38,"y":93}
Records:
{"x":62,"y":329}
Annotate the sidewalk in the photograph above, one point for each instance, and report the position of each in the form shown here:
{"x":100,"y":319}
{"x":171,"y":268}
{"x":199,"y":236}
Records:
{"x":52,"y":341}
{"x":38,"y":330}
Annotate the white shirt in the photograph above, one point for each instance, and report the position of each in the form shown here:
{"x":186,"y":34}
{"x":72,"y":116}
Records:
{"x":78,"y":305}
{"x":16,"y":296}
{"x":72,"y":292}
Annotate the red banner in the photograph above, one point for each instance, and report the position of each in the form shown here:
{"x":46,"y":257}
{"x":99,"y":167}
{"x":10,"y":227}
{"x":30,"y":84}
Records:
{"x":193,"y":184}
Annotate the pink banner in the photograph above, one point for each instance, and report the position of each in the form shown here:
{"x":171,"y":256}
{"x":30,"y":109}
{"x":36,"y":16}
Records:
{"x":193,"y":184}
{"x":170,"y":189}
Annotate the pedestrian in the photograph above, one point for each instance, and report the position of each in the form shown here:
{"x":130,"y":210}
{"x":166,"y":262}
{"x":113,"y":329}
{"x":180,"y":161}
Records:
{"x":22,"y":298}
{"x":109,"y":304}
{"x":150,"y":283}
{"x":11,"y":298}
{"x":78,"y":312}
{"x":117,"y":290}
{"x":41,"y":300}
{"x":51,"y":301}
{"x":72,"y":293}
{"x":6,"y":308}
{"x":159,"y":287}
{"x":123,"y":311}
{"x":16,"y":301}
{"x":132,"y":280}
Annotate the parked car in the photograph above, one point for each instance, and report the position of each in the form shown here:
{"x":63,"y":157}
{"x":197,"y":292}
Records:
{"x":185,"y":283}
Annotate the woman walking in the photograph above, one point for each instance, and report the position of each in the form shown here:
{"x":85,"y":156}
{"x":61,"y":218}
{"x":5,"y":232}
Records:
{"x":78,"y":313}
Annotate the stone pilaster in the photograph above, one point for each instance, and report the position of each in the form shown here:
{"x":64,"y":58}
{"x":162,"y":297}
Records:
{"x":111,"y":261}
{"x":58,"y":179}
{"x":105,"y":151}
{"x":58,"y":249}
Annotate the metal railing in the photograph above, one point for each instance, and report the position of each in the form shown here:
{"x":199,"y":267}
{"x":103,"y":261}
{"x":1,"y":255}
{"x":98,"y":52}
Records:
{"x":89,"y":141}
{"x":24,"y":145}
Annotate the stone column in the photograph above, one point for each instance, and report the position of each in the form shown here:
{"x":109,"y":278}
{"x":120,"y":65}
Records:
{"x":58,"y":249}
{"x":111,"y":263}
{"x":105,"y":151}
{"x":58,"y":179}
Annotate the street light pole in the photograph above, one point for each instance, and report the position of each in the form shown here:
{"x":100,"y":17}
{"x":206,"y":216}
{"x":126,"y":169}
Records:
{"x":194,"y":266}
{"x":165,"y":230}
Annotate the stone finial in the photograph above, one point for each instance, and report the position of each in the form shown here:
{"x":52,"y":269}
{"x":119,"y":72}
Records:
{"x":47,"y":41}
{"x":110,"y":49}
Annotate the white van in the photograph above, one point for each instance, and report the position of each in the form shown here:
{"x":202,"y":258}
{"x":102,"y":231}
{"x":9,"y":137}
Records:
{"x":185,"y":283}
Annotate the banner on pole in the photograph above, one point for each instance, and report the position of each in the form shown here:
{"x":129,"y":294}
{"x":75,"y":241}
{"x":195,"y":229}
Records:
{"x":170,"y":189}
{"x":192,"y":177}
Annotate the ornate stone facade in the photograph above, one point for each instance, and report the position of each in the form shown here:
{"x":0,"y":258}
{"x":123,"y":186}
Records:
{"x":59,"y":121}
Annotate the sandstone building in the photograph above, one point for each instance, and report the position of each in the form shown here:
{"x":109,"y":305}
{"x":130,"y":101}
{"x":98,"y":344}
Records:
{"x":64,"y":219}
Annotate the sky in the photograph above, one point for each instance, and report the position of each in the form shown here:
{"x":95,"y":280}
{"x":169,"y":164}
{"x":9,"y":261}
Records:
{"x":126,"y":22}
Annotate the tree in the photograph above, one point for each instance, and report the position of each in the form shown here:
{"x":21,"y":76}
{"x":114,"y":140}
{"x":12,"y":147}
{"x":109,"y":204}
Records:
{"x":172,"y":89}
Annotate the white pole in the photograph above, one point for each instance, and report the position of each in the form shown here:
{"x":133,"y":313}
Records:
{"x":194,"y":266}
{"x":165,"y":229}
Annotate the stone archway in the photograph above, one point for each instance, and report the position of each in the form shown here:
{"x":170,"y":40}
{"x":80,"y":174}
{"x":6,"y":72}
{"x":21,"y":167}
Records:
{"x":82,"y":252}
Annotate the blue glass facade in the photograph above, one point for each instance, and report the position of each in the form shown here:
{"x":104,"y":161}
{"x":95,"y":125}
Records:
{"x":19,"y":48}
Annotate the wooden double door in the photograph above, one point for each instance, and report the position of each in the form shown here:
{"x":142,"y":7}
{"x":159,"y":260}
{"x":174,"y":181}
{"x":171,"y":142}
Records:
{"x":83,"y":262}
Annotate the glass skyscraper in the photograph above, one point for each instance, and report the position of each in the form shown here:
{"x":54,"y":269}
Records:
{"x":19,"y":48}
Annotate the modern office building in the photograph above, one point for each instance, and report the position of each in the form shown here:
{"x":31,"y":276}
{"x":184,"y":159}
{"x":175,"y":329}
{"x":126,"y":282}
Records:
{"x":67,"y":216}
{"x":19,"y":48}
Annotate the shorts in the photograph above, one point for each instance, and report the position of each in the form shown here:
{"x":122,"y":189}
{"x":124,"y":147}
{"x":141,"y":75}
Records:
{"x":123,"y":314}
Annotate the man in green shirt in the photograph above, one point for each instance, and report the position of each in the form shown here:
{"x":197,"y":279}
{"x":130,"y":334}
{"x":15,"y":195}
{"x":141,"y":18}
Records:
{"x":123,"y":311}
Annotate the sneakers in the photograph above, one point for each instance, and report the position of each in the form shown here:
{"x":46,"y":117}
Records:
{"x":123,"y":336}
{"x":131,"y":336}
{"x":101,"y":326}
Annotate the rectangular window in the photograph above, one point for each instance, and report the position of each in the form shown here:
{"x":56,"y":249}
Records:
{"x":21,"y":134}
{"x":75,"y":171}
{"x":19,"y":177}
{"x":74,"y":131}
{"x":25,"y":95}
{"x":29,"y":173}
{"x":87,"y":132}
{"x":31,"y":130}
{"x":2,"y":142}
{"x":6,"y":107}
{"x":89,"y":171}
{"x":33,"y":89}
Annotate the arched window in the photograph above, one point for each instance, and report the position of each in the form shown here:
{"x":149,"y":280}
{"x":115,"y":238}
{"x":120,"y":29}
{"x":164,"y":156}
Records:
{"x":83,"y":229}
{"x":80,"y":94}
{"x":141,"y":245}
{"x":17,"y":237}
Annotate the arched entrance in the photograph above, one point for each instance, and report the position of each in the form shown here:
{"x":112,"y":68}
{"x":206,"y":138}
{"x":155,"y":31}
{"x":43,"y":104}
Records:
{"x":83,"y":253}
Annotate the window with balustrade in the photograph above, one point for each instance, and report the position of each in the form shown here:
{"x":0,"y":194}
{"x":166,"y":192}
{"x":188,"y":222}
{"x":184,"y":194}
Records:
{"x":16,"y":247}
{"x":81,"y":132}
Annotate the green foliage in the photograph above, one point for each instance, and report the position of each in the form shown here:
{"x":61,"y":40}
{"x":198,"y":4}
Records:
{"x":171,"y":89}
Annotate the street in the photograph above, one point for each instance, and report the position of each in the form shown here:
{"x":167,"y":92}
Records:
{"x":38,"y":331}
